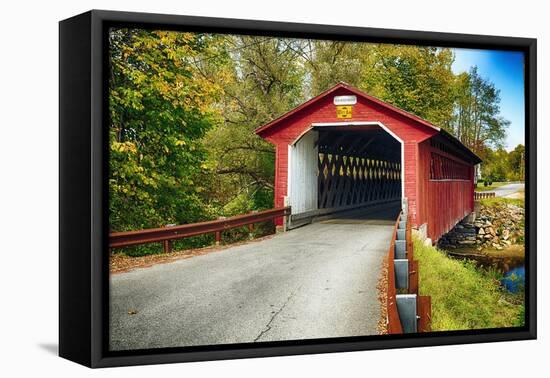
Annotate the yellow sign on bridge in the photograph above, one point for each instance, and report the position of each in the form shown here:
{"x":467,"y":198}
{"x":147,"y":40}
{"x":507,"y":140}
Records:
{"x":343,"y":111}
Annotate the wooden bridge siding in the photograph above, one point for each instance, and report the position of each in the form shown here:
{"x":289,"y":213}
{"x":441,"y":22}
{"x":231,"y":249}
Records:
{"x":410,"y":179}
{"x":291,"y":128}
{"x":441,"y":204}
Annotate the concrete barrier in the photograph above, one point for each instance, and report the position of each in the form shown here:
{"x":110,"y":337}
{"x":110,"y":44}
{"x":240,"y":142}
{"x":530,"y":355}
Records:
{"x":406,"y":305}
{"x":401,"y":273}
{"x":400,"y":249}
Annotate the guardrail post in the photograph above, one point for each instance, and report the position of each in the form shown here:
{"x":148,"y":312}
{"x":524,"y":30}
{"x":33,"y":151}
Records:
{"x":167,"y":244}
{"x":251,"y":227}
{"x":424,"y":306}
{"x":413,"y":277}
{"x":483,"y":195}
{"x":408,"y":238}
{"x":219,"y":233}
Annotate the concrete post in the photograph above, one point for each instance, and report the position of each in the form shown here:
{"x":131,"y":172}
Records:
{"x":285,"y":218}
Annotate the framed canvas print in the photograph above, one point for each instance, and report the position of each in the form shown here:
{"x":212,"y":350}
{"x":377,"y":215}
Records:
{"x":234,"y":188}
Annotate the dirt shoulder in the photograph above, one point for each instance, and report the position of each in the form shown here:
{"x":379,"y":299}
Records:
{"x":513,"y":251}
{"x":120,"y":263}
{"x":383,"y":298}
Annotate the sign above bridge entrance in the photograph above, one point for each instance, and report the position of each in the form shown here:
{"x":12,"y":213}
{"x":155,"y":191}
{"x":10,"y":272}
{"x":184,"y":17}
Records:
{"x":345,"y":100}
{"x":343,"y":111}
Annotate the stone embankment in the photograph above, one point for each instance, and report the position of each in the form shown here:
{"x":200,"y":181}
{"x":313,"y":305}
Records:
{"x":495,"y":227}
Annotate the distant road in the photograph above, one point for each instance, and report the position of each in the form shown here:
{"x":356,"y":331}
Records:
{"x":316,"y":281}
{"x":508,"y":189}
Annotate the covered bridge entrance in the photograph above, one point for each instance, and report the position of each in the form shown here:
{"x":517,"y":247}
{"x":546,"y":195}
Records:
{"x":345,"y":150}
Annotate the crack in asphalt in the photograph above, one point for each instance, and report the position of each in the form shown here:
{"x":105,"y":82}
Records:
{"x":268,"y":325}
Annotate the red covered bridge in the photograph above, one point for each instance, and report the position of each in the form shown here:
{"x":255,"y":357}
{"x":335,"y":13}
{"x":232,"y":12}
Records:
{"x":344,"y":149}
{"x":343,"y":155}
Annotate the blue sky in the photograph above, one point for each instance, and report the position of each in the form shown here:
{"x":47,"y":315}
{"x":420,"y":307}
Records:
{"x":505,"y":70}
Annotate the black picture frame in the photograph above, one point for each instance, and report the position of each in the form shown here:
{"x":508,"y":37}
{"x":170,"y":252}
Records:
{"x":83,"y":228}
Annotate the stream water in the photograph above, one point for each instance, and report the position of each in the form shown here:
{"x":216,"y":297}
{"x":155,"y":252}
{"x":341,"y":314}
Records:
{"x":512,"y":266}
{"x":514,"y":279}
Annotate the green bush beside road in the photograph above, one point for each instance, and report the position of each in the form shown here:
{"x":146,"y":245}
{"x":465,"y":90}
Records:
{"x":482,"y":188}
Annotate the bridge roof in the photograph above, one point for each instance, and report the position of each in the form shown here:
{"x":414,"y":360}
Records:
{"x":464,"y":151}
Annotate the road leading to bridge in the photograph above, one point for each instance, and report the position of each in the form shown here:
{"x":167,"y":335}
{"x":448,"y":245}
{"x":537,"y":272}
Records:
{"x":312,"y":282}
{"x":509,"y":189}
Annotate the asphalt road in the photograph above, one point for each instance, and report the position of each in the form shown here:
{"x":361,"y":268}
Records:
{"x":317,"y":281}
{"x":508,"y":189}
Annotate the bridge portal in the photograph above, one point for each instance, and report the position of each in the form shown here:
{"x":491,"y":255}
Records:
{"x":338,"y":168}
{"x":346,"y":151}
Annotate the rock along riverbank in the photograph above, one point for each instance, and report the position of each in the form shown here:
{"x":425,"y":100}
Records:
{"x":498,"y":226}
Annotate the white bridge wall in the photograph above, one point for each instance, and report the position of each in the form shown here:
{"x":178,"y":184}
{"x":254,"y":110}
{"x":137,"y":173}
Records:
{"x":303,"y":166}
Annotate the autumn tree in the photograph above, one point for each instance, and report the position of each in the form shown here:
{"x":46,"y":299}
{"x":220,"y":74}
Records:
{"x":266,"y":81}
{"x":330,"y":62}
{"x":160,"y":109}
{"x":184,"y":107}
{"x":516,"y":159}
{"x":414,"y":78}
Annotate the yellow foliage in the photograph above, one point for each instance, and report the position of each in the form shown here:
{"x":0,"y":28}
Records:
{"x":124,"y":147}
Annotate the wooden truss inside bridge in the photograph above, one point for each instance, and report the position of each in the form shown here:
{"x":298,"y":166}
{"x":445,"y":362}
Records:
{"x":357,"y":167}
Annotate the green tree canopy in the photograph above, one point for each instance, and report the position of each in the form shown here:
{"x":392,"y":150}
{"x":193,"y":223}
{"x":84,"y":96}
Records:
{"x":477,"y":122}
{"x":183,"y":108}
{"x":160,"y":110}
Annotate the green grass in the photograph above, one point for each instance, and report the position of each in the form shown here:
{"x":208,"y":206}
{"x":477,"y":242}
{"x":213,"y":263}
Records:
{"x":463,"y":296}
{"x":499,"y":201}
{"x":481,"y":188}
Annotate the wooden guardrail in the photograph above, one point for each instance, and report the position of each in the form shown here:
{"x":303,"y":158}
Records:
{"x":169,"y":233}
{"x":482,"y":195}
{"x":420,"y":311}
